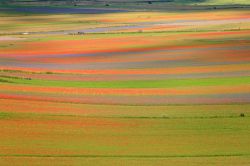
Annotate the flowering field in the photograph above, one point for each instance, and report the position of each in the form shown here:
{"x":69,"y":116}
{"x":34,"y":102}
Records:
{"x":125,"y":88}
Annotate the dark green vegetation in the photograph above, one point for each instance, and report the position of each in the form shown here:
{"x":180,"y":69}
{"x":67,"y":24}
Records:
{"x":135,"y":4}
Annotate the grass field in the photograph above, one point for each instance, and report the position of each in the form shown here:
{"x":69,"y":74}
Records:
{"x":125,"y":87}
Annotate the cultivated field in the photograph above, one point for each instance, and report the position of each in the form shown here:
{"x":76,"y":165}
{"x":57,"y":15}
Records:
{"x":117,"y":86}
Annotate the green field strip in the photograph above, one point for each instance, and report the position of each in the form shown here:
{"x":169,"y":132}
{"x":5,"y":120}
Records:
{"x":105,"y":110}
{"x":170,"y":83}
{"x":128,"y":156}
{"x":8,"y":115}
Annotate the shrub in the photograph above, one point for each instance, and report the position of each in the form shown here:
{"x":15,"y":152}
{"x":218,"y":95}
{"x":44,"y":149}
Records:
{"x":242,"y":115}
